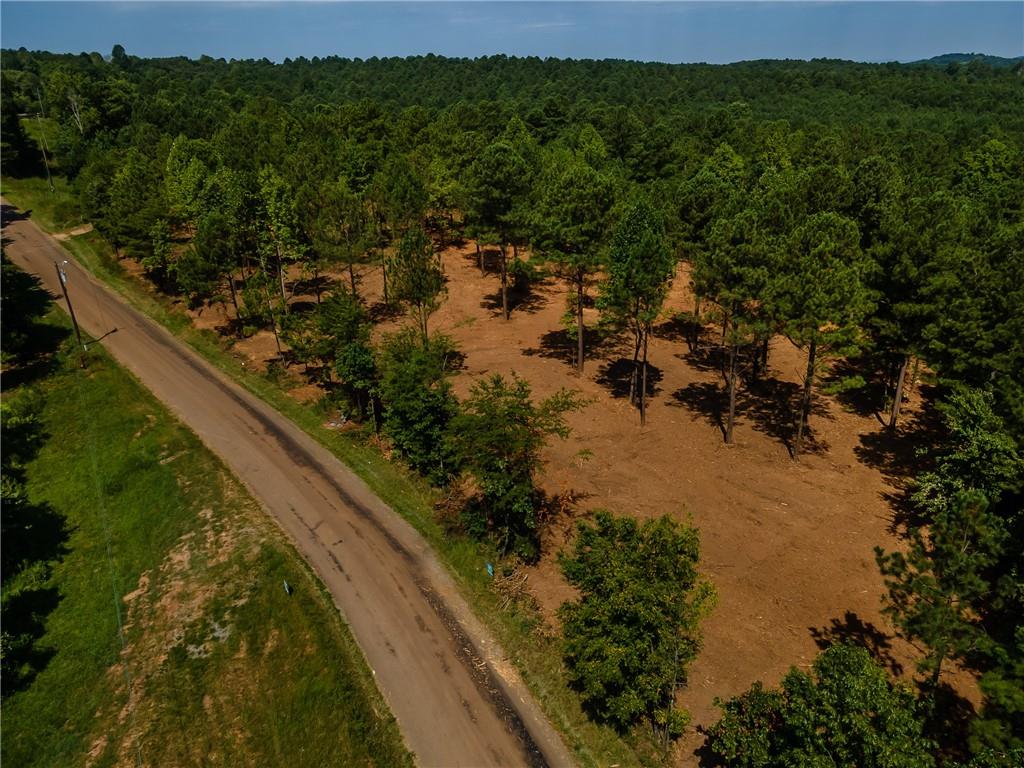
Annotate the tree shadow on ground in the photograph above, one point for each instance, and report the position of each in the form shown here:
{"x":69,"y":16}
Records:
{"x":681,"y":328}
{"x":561,"y":345}
{"x":617,"y":375}
{"x":311,"y":285}
{"x":454,"y":361}
{"x":868,"y":399}
{"x":706,"y":399}
{"x":852,"y":629}
{"x":703,"y":756}
{"x":24,"y":618}
{"x":8,"y":214}
{"x":232,"y":327}
{"x":528,"y":297}
{"x":380,"y":312}
{"x":33,"y":533}
{"x":490,"y":258}
{"x":709,"y":355}
{"x":948,"y":724}
{"x":707,"y":358}
{"x":769,"y":404}
{"x":900,"y":456}
{"x":302,"y":307}
{"x":29,"y":344}
{"x":558,"y":514}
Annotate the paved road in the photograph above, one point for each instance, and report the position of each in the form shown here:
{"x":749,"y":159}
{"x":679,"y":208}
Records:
{"x":434,"y":663}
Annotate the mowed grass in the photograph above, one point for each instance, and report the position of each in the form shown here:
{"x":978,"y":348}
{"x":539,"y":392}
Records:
{"x":53,"y":211}
{"x":170,"y":637}
{"x":535,"y":653}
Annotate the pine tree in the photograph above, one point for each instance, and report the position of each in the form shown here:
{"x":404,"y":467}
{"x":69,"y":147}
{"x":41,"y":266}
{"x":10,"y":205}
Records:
{"x":570,"y":227}
{"x":640,"y":270}
{"x":820,"y":296}
{"x":932,"y":588}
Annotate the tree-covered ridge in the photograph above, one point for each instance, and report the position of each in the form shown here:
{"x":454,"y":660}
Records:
{"x":955,"y":59}
{"x":882,"y":96}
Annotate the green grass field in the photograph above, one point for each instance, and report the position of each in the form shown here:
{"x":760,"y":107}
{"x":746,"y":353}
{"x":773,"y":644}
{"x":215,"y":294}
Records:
{"x":536,"y":654}
{"x":164,"y":633}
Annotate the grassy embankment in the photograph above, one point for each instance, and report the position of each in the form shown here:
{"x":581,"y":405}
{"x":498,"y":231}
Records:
{"x":159,"y":629}
{"x":536,"y":655}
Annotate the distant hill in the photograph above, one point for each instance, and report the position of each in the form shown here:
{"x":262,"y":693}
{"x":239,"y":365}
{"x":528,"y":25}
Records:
{"x":964,"y":58}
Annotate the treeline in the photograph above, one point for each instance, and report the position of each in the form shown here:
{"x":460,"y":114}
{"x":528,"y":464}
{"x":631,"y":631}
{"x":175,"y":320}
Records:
{"x":870,"y":213}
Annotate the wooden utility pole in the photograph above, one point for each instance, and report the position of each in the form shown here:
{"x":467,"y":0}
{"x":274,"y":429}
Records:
{"x":43,"y":147}
{"x":63,"y":278}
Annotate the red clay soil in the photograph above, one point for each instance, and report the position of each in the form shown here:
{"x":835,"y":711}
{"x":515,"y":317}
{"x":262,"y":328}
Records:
{"x":788,"y":545}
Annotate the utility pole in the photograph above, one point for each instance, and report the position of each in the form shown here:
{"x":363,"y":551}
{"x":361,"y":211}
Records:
{"x":62,"y":276}
{"x":42,"y":135}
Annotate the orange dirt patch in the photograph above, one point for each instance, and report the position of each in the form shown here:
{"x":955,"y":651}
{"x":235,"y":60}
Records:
{"x":79,"y":230}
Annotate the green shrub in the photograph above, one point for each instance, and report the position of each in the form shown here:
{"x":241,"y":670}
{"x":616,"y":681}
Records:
{"x":418,"y":401}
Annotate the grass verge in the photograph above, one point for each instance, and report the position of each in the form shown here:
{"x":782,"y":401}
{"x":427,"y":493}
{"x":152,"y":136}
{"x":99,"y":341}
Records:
{"x":161,"y":632}
{"x":535,"y":654}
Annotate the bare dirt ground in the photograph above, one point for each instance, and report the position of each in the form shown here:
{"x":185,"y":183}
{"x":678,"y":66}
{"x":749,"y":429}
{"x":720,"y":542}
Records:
{"x":788,"y":545}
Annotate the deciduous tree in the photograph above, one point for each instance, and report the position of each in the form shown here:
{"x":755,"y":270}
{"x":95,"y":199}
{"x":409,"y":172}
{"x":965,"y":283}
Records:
{"x":846,"y":712}
{"x":498,"y":437}
{"x":418,"y":401}
{"x":636,"y":626}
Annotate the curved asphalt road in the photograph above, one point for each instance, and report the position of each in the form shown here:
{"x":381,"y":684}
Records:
{"x":436,"y":666}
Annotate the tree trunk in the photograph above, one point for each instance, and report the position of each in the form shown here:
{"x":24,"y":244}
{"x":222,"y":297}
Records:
{"x":636,"y":367}
{"x":316,"y":282}
{"x":234,"y":302}
{"x":280,"y":275}
{"x":764,"y":354}
{"x":695,"y":331}
{"x":933,"y":682}
{"x":76,"y":112}
{"x":479,"y":257}
{"x":805,"y":409}
{"x":273,"y":322}
{"x":721,"y":345}
{"x":643,"y":386}
{"x":897,"y":400}
{"x":504,"y":281}
{"x":732,"y":394}
{"x":384,"y":273}
{"x":277,"y":339}
{"x":352,"y":278}
{"x":579,"y":322}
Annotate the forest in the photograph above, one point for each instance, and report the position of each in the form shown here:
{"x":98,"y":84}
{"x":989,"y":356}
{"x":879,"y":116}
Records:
{"x":870,"y":214}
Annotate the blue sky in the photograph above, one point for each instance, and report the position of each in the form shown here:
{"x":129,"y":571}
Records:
{"x":714,"y":32}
